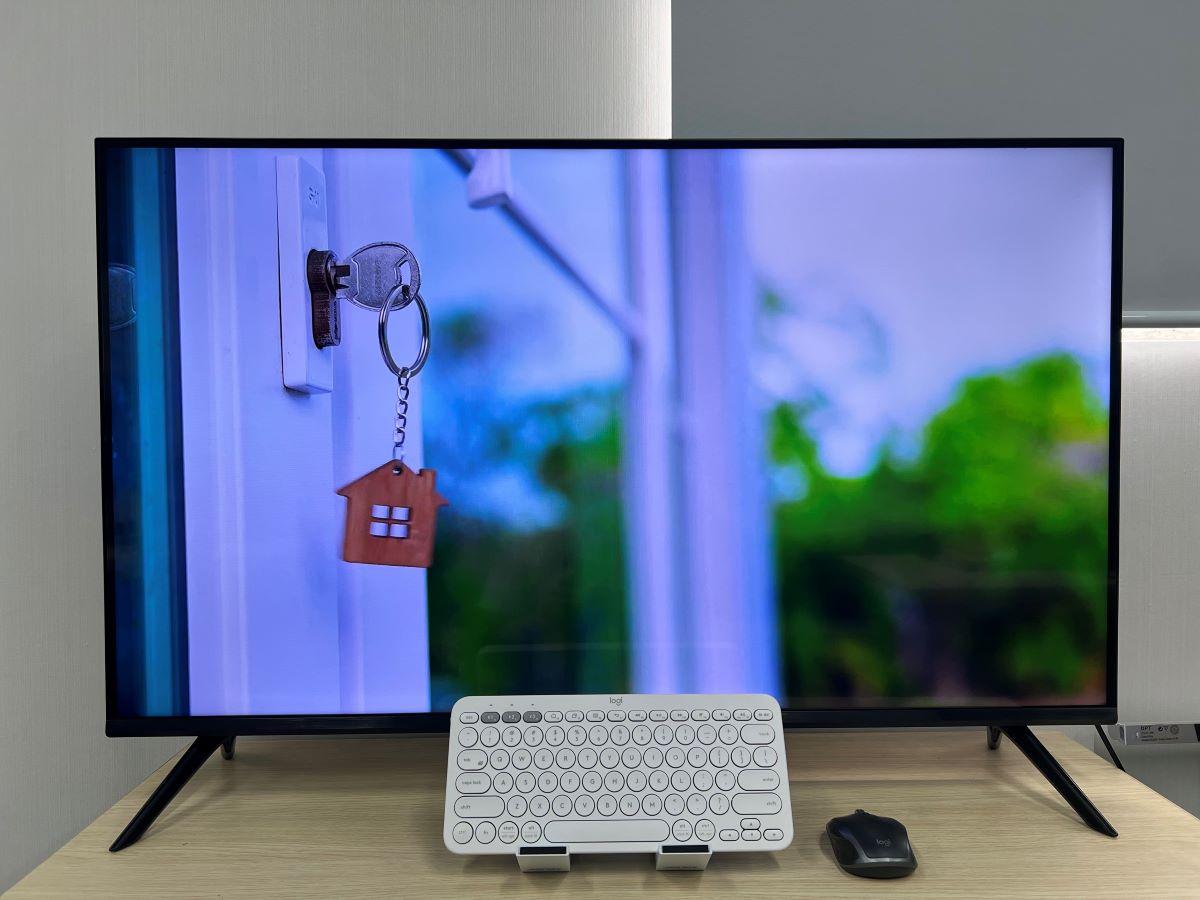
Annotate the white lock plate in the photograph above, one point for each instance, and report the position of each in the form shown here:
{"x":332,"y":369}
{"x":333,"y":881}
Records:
{"x":303,"y":225}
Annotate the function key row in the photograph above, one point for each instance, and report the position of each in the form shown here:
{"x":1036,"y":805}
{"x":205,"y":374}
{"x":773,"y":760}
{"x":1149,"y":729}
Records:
{"x":616,"y":715}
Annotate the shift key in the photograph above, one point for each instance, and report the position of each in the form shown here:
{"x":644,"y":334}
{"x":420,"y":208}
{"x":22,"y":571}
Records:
{"x":756,"y":804}
{"x":483,"y":807}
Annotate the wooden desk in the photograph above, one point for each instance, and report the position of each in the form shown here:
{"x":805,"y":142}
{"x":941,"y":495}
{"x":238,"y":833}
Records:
{"x":328,"y":818}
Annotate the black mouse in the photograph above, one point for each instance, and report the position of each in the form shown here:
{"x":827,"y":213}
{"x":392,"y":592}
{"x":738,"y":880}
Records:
{"x":871,"y":846}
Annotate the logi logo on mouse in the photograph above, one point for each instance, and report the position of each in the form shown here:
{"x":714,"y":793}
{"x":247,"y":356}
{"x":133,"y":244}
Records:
{"x":883,"y":842}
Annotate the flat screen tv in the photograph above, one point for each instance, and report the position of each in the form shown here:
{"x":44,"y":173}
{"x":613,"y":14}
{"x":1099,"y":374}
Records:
{"x":832,"y":420}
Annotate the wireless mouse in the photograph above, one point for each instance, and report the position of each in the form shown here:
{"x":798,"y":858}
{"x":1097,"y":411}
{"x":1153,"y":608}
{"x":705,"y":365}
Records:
{"x":871,"y":846}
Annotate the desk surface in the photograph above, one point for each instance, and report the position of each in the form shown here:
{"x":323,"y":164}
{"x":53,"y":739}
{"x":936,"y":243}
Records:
{"x":338,"y":817}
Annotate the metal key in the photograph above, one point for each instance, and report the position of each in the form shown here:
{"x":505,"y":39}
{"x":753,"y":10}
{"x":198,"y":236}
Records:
{"x":376,"y":269}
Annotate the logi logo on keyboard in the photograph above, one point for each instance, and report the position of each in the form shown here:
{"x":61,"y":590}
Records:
{"x":616,"y":701}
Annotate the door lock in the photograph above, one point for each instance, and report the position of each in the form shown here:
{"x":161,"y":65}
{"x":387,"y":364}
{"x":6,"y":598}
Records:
{"x":326,"y":276}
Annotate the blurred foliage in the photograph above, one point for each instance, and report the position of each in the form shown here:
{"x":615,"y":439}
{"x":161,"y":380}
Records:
{"x":974,"y":570}
{"x":971,"y":570}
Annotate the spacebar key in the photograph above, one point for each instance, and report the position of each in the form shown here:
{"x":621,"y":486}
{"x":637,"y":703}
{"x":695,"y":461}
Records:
{"x":582,"y":831}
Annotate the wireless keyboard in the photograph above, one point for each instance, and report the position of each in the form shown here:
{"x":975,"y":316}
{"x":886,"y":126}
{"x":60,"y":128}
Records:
{"x":679,"y":775}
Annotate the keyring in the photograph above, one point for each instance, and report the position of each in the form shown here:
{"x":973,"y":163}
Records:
{"x":423,"y":353}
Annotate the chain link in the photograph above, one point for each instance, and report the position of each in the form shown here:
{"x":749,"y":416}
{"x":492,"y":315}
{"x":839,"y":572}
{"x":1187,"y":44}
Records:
{"x":401,"y":421}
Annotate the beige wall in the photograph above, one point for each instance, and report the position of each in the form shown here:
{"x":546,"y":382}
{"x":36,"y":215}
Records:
{"x":70,"y":71}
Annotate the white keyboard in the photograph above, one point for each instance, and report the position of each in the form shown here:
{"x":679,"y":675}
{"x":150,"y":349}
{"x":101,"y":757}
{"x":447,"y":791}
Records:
{"x":616,"y":774}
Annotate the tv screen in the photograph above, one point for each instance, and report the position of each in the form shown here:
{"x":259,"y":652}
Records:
{"x":831,"y":421}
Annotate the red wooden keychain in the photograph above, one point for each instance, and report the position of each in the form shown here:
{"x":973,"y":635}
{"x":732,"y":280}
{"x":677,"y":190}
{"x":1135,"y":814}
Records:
{"x":391,"y":517}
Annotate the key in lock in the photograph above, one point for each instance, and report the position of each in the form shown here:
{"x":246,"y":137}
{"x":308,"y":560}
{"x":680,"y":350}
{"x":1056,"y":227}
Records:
{"x":365,"y":279}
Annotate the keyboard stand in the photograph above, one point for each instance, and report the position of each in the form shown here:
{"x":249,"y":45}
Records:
{"x":669,"y":857}
{"x":544,"y":859}
{"x":690,"y":857}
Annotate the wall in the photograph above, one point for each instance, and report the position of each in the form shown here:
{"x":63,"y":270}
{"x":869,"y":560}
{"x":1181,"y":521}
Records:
{"x":71,"y":71}
{"x":949,"y":68}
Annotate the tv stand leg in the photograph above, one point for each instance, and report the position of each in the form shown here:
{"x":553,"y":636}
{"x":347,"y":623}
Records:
{"x":993,"y":737}
{"x":227,"y":747}
{"x":1035,"y":751}
{"x":189,"y":764}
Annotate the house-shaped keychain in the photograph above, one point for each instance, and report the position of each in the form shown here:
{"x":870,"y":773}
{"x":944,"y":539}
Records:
{"x":391,"y":518}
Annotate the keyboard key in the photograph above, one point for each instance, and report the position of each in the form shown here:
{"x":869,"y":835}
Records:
{"x":720,"y":715}
{"x":576,"y":735}
{"x":696,"y":804}
{"x":565,"y":758}
{"x":696,"y":757}
{"x":616,"y":715}
{"x":609,"y":757}
{"x":584,"y":805}
{"x":517,"y":805}
{"x":641,"y":735}
{"x":533,"y":736}
{"x":508,"y":832}
{"x":468,"y":737}
{"x":548,"y":782}
{"x":758,"y":734}
{"x":489,"y":718}
{"x":502,"y":783}
{"x":588,"y":758}
{"x":658,"y":715}
{"x":740,"y":757}
{"x":718,"y":757}
{"x":741,"y":715}
{"x":705,"y":830}
{"x":751,"y":823}
{"x":637,"y":715}
{"x":526,"y":782}
{"x":673,"y":804}
{"x":652,"y":804}
{"x":652,"y":758}
{"x":719,"y":804}
{"x":598,"y":735}
{"x":685,"y":734}
{"x":538,"y":806}
{"x":531,"y":832}
{"x":614,"y":781}
{"x":701,"y":780}
{"x":472,"y":760}
{"x":468,"y":718}
{"x":679,"y":715}
{"x":478,"y":807}
{"x":631,"y":757}
{"x":561,"y":805}
{"x":706,"y":734}
{"x":681,"y":780}
{"x":625,"y":830}
{"x":511,"y":736}
{"x":728,"y":834}
{"x":765,"y":756}
{"x":773,"y":834}
{"x":664,"y":734}
{"x":659,"y":780}
{"x":763,"y":715}
{"x":553,"y":716}
{"x":462,"y":832}
{"x":489,"y":737}
{"x":757,"y":804}
{"x":699,"y":715}
{"x":726,"y":780}
{"x":473,"y":783}
{"x":569,"y":782}
{"x":758,"y":780}
{"x":594,"y":715}
{"x":499,"y":759}
{"x":592,"y":782}
{"x":521,"y":758}
{"x":629,"y":804}
{"x":636,"y":780}
{"x":555,"y":735}
{"x":573,"y":715}
{"x":531,"y":715}
{"x":681,"y":830}
{"x":485,"y":832}
{"x":751,"y":835}
{"x":619,"y":735}
{"x":675,"y":757}
{"x":543,"y":758}
{"x":510,"y":716}
{"x":728,"y":734}
{"x":606,"y":805}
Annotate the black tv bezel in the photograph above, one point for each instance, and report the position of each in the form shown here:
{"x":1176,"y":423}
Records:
{"x":433,"y":722}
